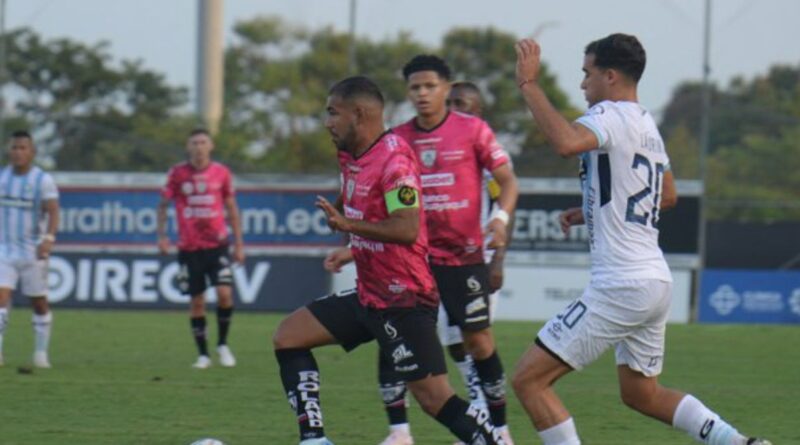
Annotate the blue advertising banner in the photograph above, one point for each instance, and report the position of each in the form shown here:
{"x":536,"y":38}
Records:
{"x":747,"y":296}
{"x":143,"y":281}
{"x":126,"y":217}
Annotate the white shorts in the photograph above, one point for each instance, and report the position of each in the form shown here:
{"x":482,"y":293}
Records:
{"x":628,"y":314}
{"x":451,"y":335}
{"x":32,"y":275}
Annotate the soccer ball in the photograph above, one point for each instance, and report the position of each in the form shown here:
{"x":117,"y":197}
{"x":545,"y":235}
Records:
{"x":207,"y":441}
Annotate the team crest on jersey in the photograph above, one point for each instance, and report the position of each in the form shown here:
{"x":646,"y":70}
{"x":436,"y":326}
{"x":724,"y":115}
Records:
{"x":350,"y":188}
{"x":407,"y":196}
{"x":428,"y":157}
{"x":201,"y":187}
{"x":187,"y":188}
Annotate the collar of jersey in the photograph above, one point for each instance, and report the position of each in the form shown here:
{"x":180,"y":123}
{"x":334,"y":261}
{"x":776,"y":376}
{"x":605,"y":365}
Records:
{"x":435,"y":127}
{"x":374,"y":143}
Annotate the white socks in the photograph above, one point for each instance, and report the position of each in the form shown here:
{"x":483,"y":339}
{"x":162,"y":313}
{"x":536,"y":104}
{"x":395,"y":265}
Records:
{"x":404,"y":427}
{"x":470,"y":376}
{"x":41,"y":330}
{"x":562,"y":434}
{"x":704,"y":425}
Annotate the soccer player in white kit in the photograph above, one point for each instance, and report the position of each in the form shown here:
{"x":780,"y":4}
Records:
{"x":28,"y":224}
{"x":627,"y":301}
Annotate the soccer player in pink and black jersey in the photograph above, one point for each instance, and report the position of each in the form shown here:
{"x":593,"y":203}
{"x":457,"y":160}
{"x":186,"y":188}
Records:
{"x":453,"y":149}
{"x":203,"y":192}
{"x":395,"y":301}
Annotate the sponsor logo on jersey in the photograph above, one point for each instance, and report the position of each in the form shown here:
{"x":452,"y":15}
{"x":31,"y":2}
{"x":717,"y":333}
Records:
{"x":401,"y":353}
{"x":407,"y":196}
{"x":397,"y":288}
{"x":187,"y":188}
{"x":18,"y":203}
{"x":452,"y":155}
{"x":438,"y":180}
{"x":352,"y":213}
{"x":428,"y":157}
{"x":476,"y":305}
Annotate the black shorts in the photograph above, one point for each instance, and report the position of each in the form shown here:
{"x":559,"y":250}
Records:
{"x":464,"y":291}
{"x":199,"y":268}
{"x":406,"y":336}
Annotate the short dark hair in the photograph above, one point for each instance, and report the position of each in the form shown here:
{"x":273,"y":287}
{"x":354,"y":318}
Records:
{"x":199,"y":130}
{"x":21,"y":134}
{"x":427,"y":62}
{"x":621,"y":52}
{"x":467,"y":85}
{"x":357,"y":86}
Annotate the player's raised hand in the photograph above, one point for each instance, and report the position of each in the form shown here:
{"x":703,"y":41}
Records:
{"x":336,"y":221}
{"x":528,"y":61}
{"x":337,"y":258}
{"x":570,"y":217}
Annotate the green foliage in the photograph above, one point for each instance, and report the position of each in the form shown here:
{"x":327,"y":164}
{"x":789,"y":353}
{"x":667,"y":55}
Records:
{"x":754,"y":152}
{"x":83,"y":107}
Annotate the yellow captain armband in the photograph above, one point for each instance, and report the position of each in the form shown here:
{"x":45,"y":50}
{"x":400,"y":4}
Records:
{"x":404,"y":197}
{"x":493,"y":188}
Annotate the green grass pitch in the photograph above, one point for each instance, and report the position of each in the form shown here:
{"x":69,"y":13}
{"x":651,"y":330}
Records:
{"x":125,"y":378}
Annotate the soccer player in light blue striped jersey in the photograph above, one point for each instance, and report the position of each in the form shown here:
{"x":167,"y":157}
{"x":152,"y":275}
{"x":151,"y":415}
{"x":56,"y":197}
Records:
{"x":624,"y":176}
{"x":28,"y":224}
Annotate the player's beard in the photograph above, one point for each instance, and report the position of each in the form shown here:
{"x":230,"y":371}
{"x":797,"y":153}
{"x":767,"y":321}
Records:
{"x":346,"y":141}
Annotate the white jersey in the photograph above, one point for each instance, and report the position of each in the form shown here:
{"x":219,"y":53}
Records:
{"x":622,"y":182}
{"x":22,"y":216}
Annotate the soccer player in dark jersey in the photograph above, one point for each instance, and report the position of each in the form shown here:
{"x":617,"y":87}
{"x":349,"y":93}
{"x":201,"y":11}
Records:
{"x":453,"y":149}
{"x":396,"y":299}
{"x":203,"y":191}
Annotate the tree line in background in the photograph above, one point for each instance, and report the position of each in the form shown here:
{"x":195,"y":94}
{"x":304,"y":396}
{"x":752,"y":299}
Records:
{"x":90,"y":112}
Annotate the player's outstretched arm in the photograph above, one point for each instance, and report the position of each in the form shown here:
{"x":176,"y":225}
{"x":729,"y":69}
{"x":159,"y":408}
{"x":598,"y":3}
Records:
{"x":401,"y":227}
{"x":567,"y":138}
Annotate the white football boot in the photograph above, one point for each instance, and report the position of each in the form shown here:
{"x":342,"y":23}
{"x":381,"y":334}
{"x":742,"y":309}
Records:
{"x":226,"y":357}
{"x":40,"y":360}
{"x":203,"y":362}
{"x":398,"y":437}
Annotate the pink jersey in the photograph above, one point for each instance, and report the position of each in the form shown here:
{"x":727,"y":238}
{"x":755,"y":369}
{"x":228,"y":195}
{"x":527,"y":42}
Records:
{"x":452,"y":157}
{"x":389,"y":274}
{"x":199,"y":197}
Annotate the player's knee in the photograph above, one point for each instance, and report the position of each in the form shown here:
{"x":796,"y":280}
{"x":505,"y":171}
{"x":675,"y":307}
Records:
{"x":636,"y":400}
{"x":430,"y":399}
{"x":480,"y":345}
{"x":282,"y":338}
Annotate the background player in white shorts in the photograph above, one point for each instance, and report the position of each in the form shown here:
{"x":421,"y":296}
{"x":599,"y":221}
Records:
{"x":28,"y":223}
{"x":627,"y":302}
